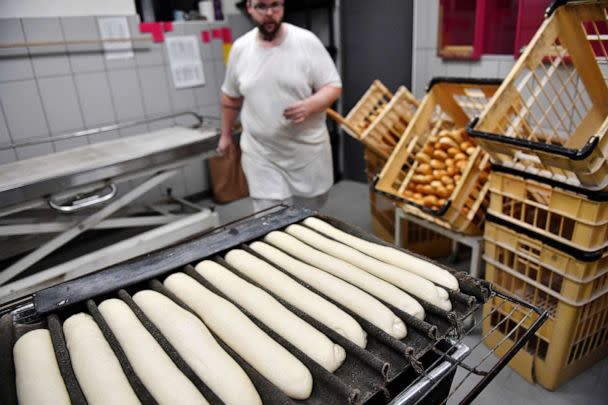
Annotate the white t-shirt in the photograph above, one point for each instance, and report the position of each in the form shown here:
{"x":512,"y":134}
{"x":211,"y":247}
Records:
{"x":270,"y":80}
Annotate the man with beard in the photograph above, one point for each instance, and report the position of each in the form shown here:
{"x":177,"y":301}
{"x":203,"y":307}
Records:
{"x":281,"y":78}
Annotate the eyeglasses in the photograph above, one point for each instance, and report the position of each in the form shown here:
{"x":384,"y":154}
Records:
{"x":262,"y":8}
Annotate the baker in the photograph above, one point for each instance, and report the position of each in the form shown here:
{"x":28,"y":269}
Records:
{"x":281,"y":79}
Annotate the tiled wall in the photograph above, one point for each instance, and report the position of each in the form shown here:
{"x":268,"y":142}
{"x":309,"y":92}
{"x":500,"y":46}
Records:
{"x":51,"y":90}
{"x":426,"y":64}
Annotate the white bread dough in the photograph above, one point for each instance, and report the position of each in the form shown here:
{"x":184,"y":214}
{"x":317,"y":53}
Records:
{"x":195,"y":344}
{"x":37,"y":375}
{"x":409,"y":282}
{"x":251,"y":343}
{"x":161,"y":377}
{"x":347,"y":272}
{"x":353,"y":298}
{"x":297,"y":295}
{"x":388,"y":254}
{"x":106,"y":382}
{"x":274,"y":315}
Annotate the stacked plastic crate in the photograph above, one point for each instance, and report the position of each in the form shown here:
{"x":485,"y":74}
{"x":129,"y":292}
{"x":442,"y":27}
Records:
{"x":378,"y":121}
{"x":546,"y":235}
{"x":436,"y":172}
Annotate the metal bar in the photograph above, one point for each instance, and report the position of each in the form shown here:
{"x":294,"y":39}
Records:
{"x":76,"y":230}
{"x":119,"y":252}
{"x":112,"y":223}
{"x":161,"y":262}
{"x":72,"y":42}
{"x":99,"y":130}
{"x":511,"y":352}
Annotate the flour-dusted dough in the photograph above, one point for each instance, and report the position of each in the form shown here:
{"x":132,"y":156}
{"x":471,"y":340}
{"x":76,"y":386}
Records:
{"x":409,"y":282}
{"x":37,"y":374}
{"x":388,"y":254}
{"x":232,"y":326}
{"x":167,"y":384}
{"x":274,"y":315}
{"x":297,"y":295}
{"x":353,"y":298}
{"x":347,"y":272}
{"x":195,"y":344}
{"x":106,"y":382}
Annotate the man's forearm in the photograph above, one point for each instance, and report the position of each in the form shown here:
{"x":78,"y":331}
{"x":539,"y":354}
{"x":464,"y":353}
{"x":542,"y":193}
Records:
{"x":324,"y":98}
{"x":230,"y":111}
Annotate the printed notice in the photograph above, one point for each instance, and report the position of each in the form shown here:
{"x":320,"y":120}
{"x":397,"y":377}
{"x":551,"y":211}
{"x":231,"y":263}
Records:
{"x":113,"y":28}
{"x":186,"y":62}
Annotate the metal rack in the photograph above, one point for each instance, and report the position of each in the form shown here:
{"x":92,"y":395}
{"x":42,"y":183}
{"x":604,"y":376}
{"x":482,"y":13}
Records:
{"x":423,"y":373}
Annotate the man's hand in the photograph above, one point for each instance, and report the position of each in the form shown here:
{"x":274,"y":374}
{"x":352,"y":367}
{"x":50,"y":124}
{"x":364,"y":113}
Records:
{"x":299,"y":111}
{"x":226,"y":146}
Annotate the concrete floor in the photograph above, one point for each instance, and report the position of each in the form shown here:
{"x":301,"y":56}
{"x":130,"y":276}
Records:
{"x":348,"y":201}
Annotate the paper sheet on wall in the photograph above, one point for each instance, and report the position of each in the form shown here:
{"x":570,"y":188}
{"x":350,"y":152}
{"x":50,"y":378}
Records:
{"x":186,"y":62}
{"x":115,"y":28}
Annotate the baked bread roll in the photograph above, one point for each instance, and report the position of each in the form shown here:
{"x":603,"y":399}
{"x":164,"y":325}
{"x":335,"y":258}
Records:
{"x":106,"y":383}
{"x":347,"y":272}
{"x":195,"y":344}
{"x":297,"y":295}
{"x":37,"y":374}
{"x":161,"y":377}
{"x":387,"y":254}
{"x":251,"y":343}
{"x":409,"y":282}
{"x":353,"y":298}
{"x":274,"y":315}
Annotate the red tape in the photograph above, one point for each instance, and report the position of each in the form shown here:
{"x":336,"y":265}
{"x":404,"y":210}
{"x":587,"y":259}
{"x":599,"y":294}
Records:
{"x":205,"y":37}
{"x":157,"y":29}
{"x":227,"y":35}
{"x":216,"y":33}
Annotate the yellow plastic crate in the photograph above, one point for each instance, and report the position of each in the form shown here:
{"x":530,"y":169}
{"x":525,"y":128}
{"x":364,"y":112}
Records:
{"x":572,"y":339}
{"x":574,"y":281}
{"x":415,"y":238}
{"x":550,"y":116}
{"x":449,"y":104}
{"x":569,"y":218}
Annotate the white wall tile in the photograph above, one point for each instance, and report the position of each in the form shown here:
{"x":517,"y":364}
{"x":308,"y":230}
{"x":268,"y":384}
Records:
{"x":32,"y":151}
{"x":7,"y":156}
{"x":48,"y":60}
{"x":5,"y":136}
{"x":14,"y":62}
{"x":24,"y":115}
{"x":60,"y":104}
{"x":155,"y":90}
{"x":96,"y":102}
{"x":83,"y":57}
{"x":126,"y":94}
{"x":67,"y":144}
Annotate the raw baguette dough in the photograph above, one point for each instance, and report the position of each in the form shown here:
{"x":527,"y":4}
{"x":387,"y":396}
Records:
{"x":232,"y":326}
{"x":347,"y":272}
{"x":106,"y":383}
{"x":195,"y":344}
{"x":274,"y":315}
{"x":297,"y":295}
{"x":340,"y":291}
{"x":37,"y":374}
{"x":167,"y":384}
{"x":388,"y":254}
{"x":409,"y":282}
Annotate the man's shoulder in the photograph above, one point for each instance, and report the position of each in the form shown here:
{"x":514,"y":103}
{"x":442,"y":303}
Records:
{"x":303,"y":34}
{"x":244,"y":40}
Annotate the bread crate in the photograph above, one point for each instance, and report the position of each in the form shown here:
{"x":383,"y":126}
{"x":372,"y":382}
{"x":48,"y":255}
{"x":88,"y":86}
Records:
{"x":380,"y":118}
{"x":415,"y":238}
{"x":435,"y":166}
{"x":575,"y":280}
{"x":550,"y":116}
{"x":572,"y":339}
{"x":578,"y":221}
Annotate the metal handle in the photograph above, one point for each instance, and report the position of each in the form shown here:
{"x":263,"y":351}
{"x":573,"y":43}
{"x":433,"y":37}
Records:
{"x":85,"y":202}
{"x":414,"y":393}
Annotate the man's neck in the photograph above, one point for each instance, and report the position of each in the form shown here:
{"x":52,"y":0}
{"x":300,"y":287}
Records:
{"x":276,"y":41}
